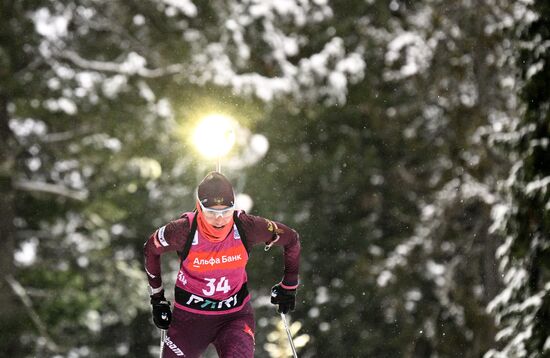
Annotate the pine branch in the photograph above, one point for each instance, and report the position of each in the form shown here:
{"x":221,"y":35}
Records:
{"x":114,"y":67}
{"x":20,"y":291}
{"x":36,"y":186}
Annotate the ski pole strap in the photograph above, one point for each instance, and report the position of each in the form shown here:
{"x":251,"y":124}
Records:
{"x":200,"y":303}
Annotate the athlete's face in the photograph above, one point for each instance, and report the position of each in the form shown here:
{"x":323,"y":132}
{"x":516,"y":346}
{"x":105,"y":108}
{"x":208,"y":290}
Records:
{"x":217,"y":219}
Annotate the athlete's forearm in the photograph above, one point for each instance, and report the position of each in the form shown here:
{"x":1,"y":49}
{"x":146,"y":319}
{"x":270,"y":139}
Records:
{"x":152,"y":265}
{"x":261,"y":230}
{"x":291,"y":247}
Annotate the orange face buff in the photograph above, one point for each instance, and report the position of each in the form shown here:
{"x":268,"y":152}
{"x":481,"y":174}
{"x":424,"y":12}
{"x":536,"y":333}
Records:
{"x":209,"y":231}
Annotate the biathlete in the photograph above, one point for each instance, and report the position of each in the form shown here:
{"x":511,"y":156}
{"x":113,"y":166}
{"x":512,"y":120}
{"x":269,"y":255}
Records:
{"x":212,"y":302}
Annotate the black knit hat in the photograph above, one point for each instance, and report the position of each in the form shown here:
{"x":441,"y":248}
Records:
{"x":215,"y":189}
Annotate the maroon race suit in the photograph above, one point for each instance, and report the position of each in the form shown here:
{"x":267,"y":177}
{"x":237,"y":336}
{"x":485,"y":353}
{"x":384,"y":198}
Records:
{"x":211,"y":296}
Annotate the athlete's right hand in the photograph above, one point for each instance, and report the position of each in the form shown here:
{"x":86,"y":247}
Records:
{"x":162,"y":315}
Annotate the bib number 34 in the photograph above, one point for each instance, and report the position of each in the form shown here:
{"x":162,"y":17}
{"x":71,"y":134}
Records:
{"x":216,"y":285}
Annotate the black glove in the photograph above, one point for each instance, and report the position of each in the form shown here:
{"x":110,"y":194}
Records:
{"x":286,"y":299}
{"x":162,"y":316}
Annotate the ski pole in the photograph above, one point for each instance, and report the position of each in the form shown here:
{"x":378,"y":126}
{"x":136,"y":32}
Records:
{"x":162,"y":339}
{"x":289,"y":335}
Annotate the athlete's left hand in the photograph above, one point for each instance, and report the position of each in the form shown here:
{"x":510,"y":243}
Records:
{"x":285,"y":298}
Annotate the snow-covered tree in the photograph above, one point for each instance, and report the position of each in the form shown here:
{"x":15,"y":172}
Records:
{"x":522,"y":309}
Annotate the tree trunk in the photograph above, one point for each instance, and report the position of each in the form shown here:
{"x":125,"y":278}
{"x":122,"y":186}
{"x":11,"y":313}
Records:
{"x":11,"y":315}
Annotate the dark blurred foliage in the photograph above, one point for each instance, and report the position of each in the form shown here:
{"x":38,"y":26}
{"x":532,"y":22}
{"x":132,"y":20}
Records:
{"x":418,"y":183}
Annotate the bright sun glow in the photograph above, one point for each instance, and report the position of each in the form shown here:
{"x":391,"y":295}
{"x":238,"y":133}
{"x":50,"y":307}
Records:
{"x":214,"y":136}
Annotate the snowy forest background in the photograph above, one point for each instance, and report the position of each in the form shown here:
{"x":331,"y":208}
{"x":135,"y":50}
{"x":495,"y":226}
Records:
{"x":407,"y":142}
